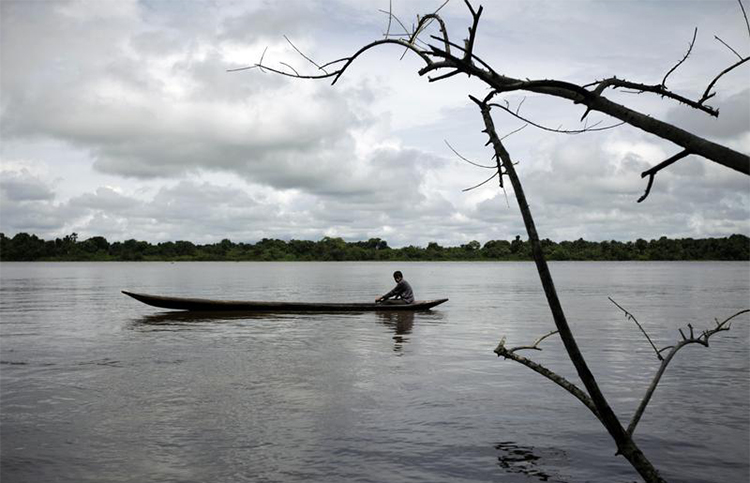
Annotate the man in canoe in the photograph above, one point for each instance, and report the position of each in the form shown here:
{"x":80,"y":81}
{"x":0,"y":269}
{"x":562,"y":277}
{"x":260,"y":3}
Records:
{"x":401,"y":293}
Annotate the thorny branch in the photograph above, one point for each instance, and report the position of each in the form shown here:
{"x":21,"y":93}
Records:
{"x":687,"y":54}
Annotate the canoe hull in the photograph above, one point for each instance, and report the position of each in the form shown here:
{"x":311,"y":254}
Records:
{"x":206,"y":305}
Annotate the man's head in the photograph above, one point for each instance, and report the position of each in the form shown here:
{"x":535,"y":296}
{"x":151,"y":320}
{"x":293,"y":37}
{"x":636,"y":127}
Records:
{"x":397,"y":276}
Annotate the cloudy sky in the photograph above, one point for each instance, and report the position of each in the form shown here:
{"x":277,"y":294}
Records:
{"x":120,"y":119}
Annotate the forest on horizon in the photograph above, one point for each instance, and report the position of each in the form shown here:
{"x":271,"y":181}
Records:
{"x":29,"y":247}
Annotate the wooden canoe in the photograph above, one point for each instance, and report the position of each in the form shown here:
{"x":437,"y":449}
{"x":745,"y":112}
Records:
{"x":206,"y":305}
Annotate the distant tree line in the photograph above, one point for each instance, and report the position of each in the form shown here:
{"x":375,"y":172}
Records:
{"x":26,"y":247}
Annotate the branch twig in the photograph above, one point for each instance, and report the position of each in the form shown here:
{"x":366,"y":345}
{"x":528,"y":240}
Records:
{"x":690,"y":49}
{"x":708,"y":95}
{"x":535,"y":345}
{"x":632,"y":317}
{"x":744,"y":14}
{"x":592,"y":128}
{"x":468,"y":161}
{"x":651,"y":173}
{"x":728,"y":46}
{"x":484,"y":182}
{"x":303,"y":55}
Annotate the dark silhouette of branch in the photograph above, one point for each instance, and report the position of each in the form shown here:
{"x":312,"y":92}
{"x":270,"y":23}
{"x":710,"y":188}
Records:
{"x":690,"y":49}
{"x":701,"y":339}
{"x":390,"y":17}
{"x":503,"y":351}
{"x":708,"y":94}
{"x":303,"y":55}
{"x":443,"y":59}
{"x":658,"y":89}
{"x":485,"y":182}
{"x":468,"y":161}
{"x":514,"y":131}
{"x":296,"y":74}
{"x":728,"y":46}
{"x":591,"y":128}
{"x":472,"y":30}
{"x":651,"y":173}
{"x":744,"y":14}
{"x":632,"y":317}
{"x":535,"y":345}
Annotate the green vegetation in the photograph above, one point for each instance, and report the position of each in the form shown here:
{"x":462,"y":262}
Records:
{"x":25,"y":247}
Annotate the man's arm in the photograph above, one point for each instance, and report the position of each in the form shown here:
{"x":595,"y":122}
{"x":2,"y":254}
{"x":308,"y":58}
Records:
{"x":396,"y":291}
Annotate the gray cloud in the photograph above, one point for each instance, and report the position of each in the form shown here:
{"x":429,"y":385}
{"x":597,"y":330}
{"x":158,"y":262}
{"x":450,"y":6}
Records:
{"x":733,"y":120}
{"x":23,"y":186}
{"x":137,"y":93}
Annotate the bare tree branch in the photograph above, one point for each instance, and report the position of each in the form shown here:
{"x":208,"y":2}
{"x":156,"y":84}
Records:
{"x":632,"y":317}
{"x":593,"y":128}
{"x":303,"y":55}
{"x":390,"y":17}
{"x":502,"y":351}
{"x":436,"y":58}
{"x":409,"y":46}
{"x":702,"y":339}
{"x":514,"y":131}
{"x":658,"y":89}
{"x":296,"y":74}
{"x":472,"y":30}
{"x":728,"y":46}
{"x":651,"y":173}
{"x":535,"y":345}
{"x":468,"y":161}
{"x":708,"y":95}
{"x":485,"y":182}
{"x":690,"y":49}
{"x":744,"y":14}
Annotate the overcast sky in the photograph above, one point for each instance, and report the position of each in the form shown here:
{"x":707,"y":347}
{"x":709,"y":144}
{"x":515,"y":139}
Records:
{"x":120,"y":119}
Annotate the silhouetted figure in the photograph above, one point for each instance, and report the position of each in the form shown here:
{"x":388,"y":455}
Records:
{"x":401,"y":293}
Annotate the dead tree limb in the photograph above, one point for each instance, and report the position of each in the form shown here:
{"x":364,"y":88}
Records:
{"x":606,"y":415}
{"x":449,"y":59}
{"x":503,"y":351}
{"x":651,"y":173}
{"x":701,"y":339}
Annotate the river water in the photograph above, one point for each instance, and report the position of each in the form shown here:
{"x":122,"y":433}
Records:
{"x":96,"y":387}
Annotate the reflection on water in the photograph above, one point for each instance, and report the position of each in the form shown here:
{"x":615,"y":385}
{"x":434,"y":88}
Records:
{"x":401,"y":323}
{"x":180,"y":317}
{"x":528,"y":461}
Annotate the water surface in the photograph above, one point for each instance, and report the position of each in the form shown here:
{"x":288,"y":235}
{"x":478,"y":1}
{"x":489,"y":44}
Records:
{"x":96,"y":387}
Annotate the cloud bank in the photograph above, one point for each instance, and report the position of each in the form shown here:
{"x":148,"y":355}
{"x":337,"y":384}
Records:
{"x":120,"y":119}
